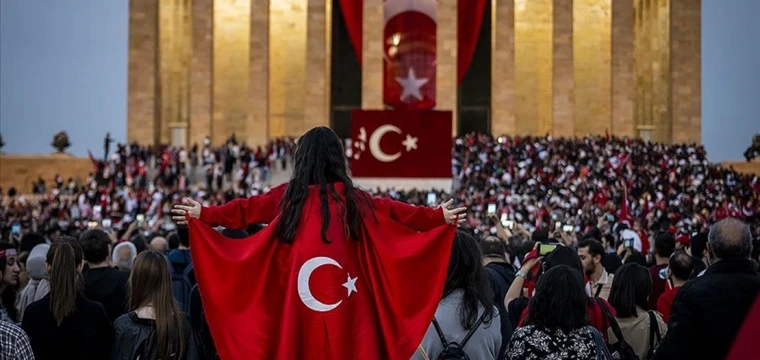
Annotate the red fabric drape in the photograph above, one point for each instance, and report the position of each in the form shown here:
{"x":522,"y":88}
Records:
{"x":353,"y":12}
{"x":469,"y":19}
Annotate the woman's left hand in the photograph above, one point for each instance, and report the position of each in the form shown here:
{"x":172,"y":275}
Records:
{"x":181,"y":212}
{"x":453,"y":216}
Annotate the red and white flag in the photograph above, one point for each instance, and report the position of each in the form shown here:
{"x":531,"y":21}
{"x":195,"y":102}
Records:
{"x":401,"y":144}
{"x":409,"y":53}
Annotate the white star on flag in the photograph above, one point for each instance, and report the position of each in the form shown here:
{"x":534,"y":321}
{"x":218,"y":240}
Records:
{"x":411,"y":85}
{"x":350,"y":284}
{"x":410,"y":143}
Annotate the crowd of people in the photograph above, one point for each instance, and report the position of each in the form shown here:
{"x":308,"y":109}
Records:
{"x":582,"y":247}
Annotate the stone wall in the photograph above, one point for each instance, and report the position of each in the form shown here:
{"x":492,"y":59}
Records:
{"x":20,"y":170}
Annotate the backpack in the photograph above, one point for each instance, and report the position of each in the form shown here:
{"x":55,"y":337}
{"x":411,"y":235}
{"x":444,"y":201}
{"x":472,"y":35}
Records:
{"x":182,"y":285}
{"x":654,"y":332}
{"x":453,"y":350}
{"x":621,"y":349}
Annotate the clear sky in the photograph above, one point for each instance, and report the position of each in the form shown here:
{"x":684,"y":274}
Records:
{"x":63,"y":66}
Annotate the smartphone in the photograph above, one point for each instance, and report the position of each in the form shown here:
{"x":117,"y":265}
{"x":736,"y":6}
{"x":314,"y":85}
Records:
{"x":557,"y":225}
{"x":97,"y":209}
{"x":610,"y":218}
{"x":545,"y":249}
{"x":106,"y":223}
{"x":432,"y":198}
{"x":491,"y":210}
{"x":503,"y":219}
{"x":92,"y":224}
{"x":568,"y":228}
{"x":16,"y":228}
{"x":509,"y":224}
{"x":140,"y":219}
{"x":628,"y":243}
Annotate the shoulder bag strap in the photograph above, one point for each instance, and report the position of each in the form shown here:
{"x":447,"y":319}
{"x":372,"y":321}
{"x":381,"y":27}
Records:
{"x":602,"y":352}
{"x":611,"y":319}
{"x":598,"y":290}
{"x":472,"y":331}
{"x":654,"y":332}
{"x":444,"y":342}
{"x":423,"y":353}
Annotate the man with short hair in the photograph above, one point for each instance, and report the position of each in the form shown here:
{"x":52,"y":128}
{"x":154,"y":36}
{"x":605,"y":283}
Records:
{"x":102,"y":282}
{"x":708,"y":311}
{"x":592,"y":254}
{"x":664,"y":246}
{"x":680,"y":267}
{"x":159,"y":244}
{"x":500,"y":273}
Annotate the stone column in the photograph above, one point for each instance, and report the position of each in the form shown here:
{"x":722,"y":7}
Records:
{"x":592,"y":70}
{"x":231,"y":44}
{"x":686,"y":73}
{"x":623,"y":86}
{"x":562,"y":71}
{"x":258,"y":84}
{"x":143,"y":59}
{"x":372,"y":55}
{"x":446,"y":60}
{"x":503,"y":67}
{"x":201,"y":74}
{"x":318,"y":47}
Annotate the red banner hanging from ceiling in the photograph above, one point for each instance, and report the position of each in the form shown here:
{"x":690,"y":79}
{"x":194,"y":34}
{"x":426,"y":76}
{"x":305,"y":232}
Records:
{"x":469,"y":21}
{"x":409,"y":54}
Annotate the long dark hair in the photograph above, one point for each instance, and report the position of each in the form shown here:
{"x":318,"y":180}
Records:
{"x":466,"y":274}
{"x":9,"y":293}
{"x":319,"y":160}
{"x":560,"y":300}
{"x":64,"y":257}
{"x":150,"y":284}
{"x":631,"y":287}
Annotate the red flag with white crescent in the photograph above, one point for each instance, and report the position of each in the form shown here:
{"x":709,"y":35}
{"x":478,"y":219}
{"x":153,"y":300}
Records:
{"x":401,"y":144}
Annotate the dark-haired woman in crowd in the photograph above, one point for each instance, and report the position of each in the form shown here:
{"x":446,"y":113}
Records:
{"x":154,"y":328}
{"x":466,"y":307}
{"x":560,"y":256}
{"x":629,"y":296}
{"x":557,"y":325}
{"x":64,"y":324}
{"x":9,"y":278}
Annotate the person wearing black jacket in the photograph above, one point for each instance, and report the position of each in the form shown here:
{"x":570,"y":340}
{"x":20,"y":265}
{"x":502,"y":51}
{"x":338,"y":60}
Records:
{"x":64,"y":324}
{"x":102,"y":282}
{"x":500,"y":274}
{"x":709,"y":310}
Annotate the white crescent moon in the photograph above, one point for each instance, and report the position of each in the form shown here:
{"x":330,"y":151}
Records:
{"x":374,"y":143}
{"x":303,"y":284}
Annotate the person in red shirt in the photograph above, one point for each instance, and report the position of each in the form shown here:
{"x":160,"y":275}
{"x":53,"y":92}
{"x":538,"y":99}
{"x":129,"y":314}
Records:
{"x":680,"y":267}
{"x":664,"y":245}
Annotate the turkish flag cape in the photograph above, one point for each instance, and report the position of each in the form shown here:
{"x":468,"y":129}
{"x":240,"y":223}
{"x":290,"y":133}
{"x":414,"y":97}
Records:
{"x":368,"y":299}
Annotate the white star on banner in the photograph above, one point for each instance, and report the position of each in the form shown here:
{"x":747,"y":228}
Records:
{"x":350,"y":284}
{"x":411,"y":85}
{"x":410,"y":143}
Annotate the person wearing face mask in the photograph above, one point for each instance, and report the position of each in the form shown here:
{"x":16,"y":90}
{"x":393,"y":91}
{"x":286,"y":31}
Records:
{"x":713,"y":307}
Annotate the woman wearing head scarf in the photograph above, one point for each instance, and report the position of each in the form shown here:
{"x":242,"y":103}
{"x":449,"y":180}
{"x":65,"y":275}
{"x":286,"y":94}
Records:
{"x":39,"y":283}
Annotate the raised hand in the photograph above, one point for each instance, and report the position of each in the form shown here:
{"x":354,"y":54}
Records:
{"x":191,"y":209}
{"x":453,"y":216}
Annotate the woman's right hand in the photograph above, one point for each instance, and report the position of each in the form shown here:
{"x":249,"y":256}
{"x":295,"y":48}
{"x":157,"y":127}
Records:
{"x":454,"y":216}
{"x":192,"y":209}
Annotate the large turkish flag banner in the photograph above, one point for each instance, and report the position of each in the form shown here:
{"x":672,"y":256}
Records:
{"x":401,"y":144}
{"x":409,"y":53}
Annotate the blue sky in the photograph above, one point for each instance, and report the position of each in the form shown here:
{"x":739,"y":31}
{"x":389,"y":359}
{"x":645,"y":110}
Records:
{"x":63,"y":66}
